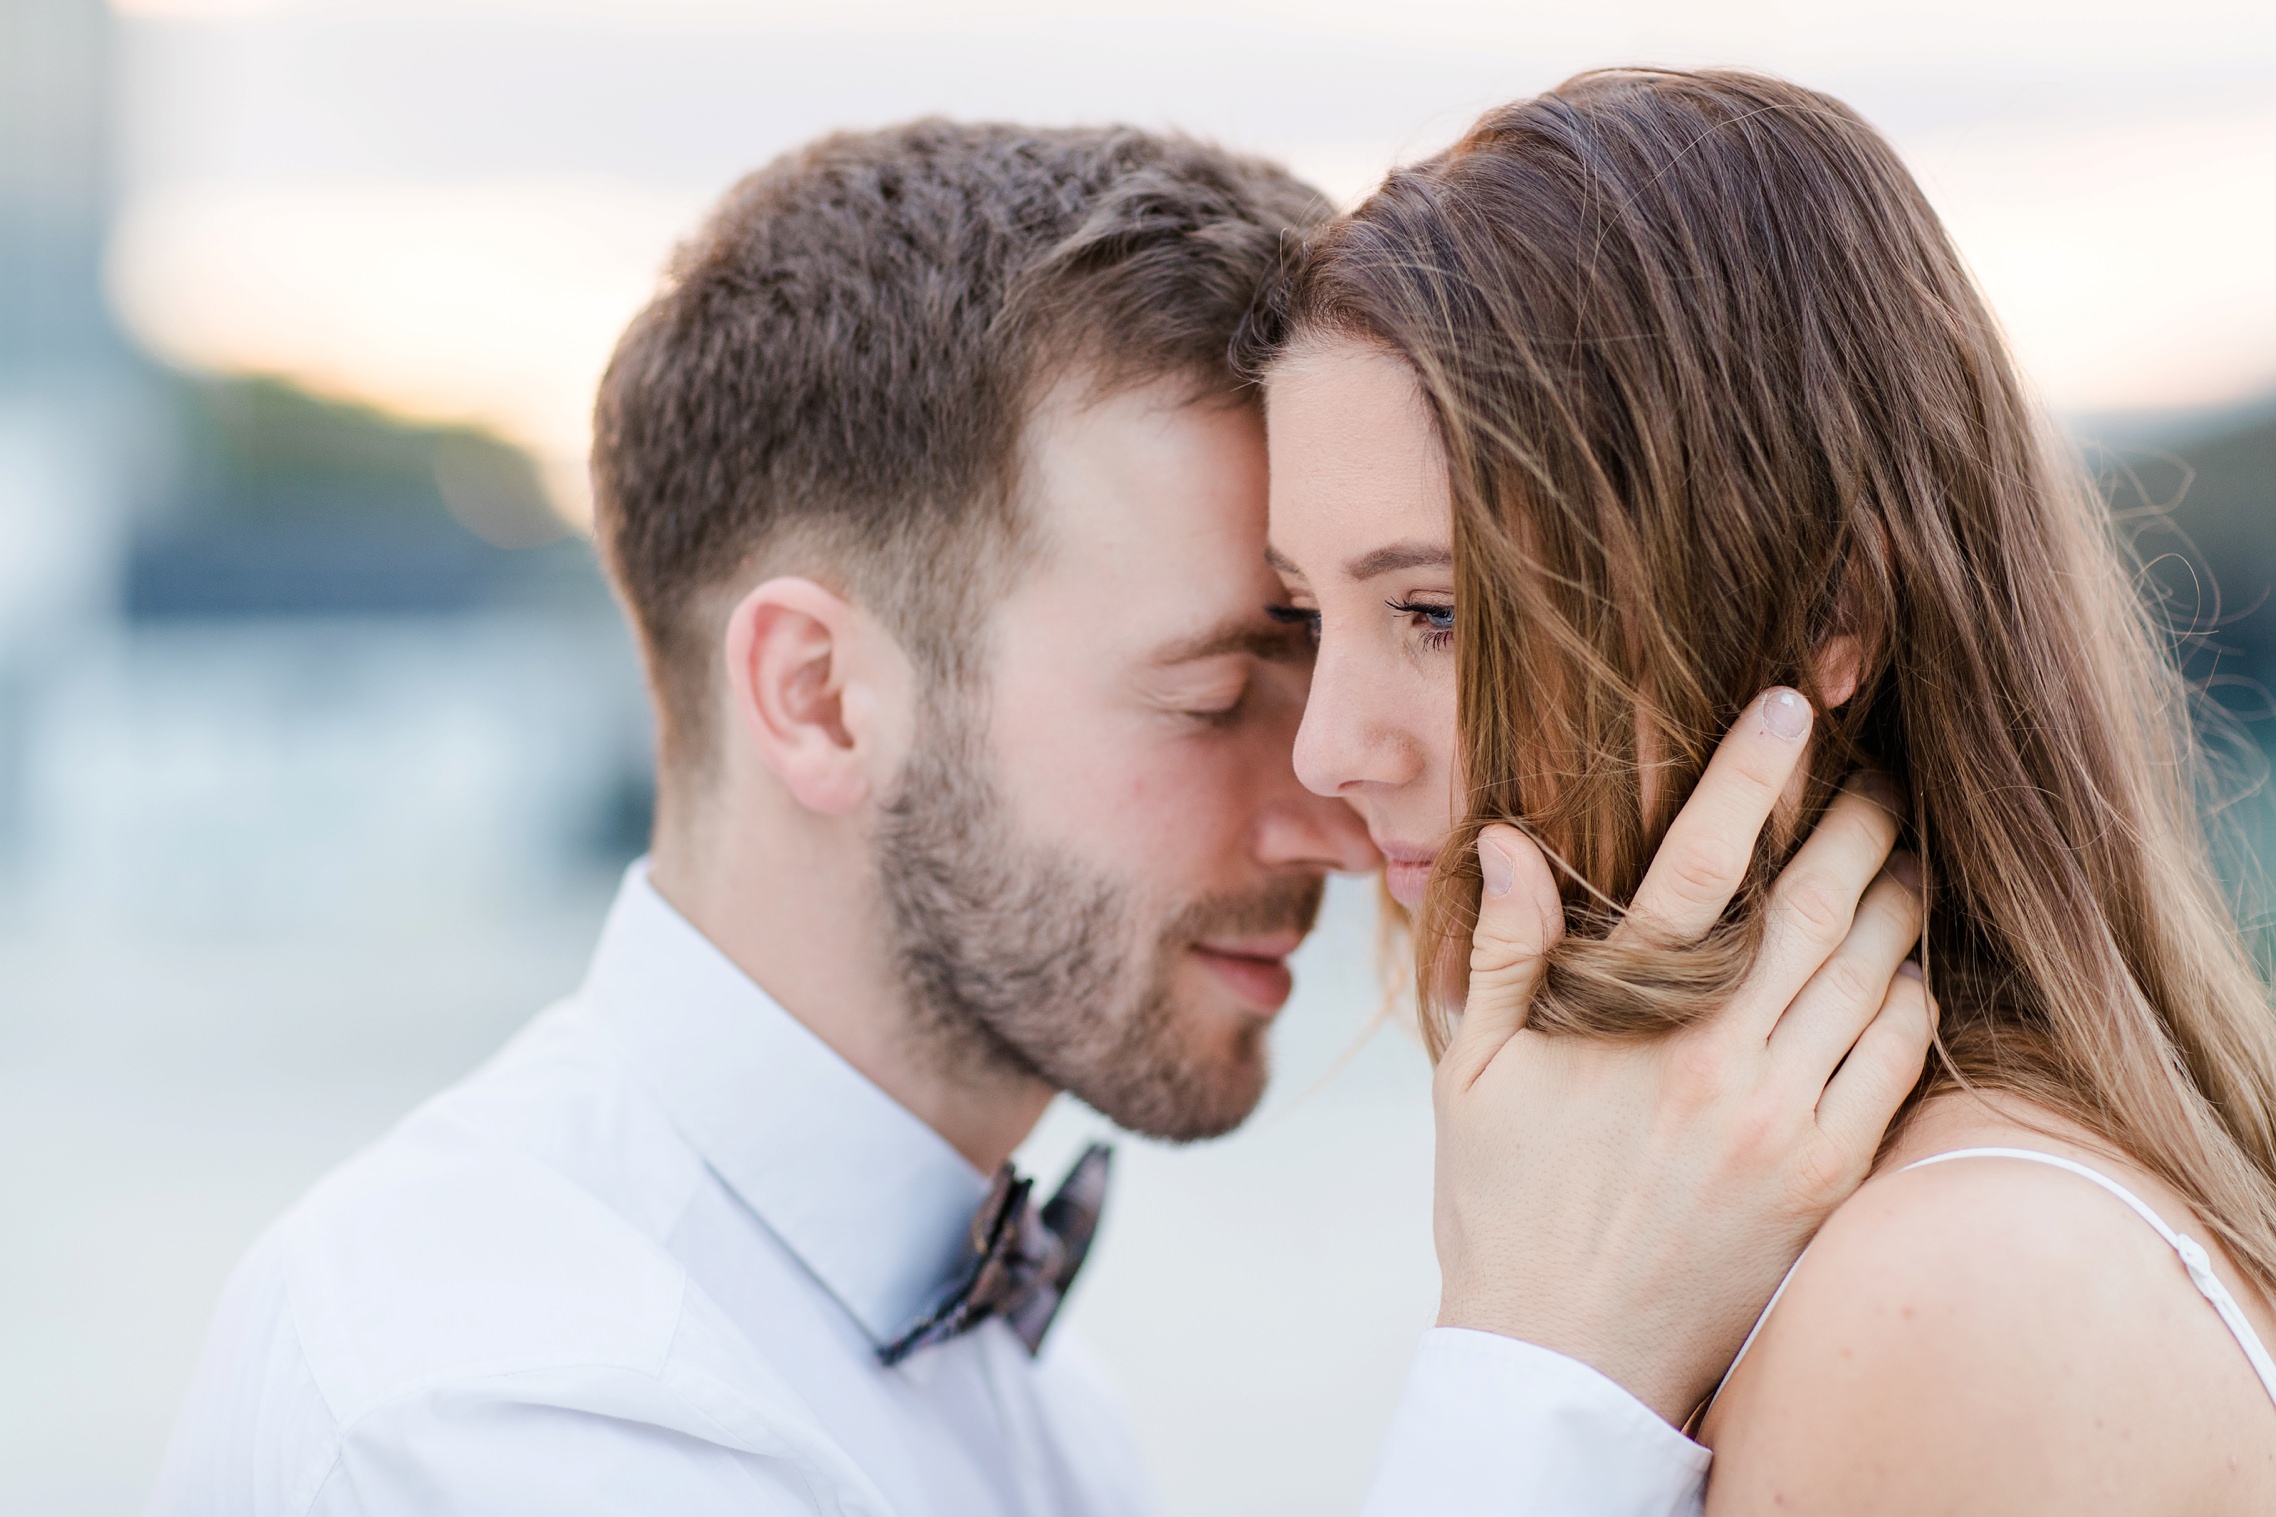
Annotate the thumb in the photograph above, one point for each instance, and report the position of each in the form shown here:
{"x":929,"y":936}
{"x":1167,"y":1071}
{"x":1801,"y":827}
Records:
{"x":1520,"y":918}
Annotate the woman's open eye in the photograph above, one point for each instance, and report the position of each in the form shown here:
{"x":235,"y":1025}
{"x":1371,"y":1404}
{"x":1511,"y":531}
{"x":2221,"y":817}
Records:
{"x":1435,"y":622}
{"x":1298,"y":616}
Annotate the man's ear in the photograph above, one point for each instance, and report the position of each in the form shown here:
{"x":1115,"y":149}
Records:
{"x":818,"y":688}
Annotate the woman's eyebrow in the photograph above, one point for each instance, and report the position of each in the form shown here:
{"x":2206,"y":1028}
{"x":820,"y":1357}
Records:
{"x":1394,"y":556}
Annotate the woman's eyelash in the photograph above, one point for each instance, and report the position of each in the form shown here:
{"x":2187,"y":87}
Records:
{"x":1437,"y":622}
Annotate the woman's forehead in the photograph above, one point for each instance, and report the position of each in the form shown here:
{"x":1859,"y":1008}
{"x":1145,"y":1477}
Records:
{"x":1357,"y":474}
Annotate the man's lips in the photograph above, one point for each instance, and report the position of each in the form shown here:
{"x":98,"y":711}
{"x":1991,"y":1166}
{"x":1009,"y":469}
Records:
{"x":1256,"y":969}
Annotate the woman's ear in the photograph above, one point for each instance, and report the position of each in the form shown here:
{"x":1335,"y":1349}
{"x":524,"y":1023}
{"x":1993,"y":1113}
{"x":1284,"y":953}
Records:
{"x":1837,"y":662}
{"x":1836,"y":665}
{"x":814,"y":693}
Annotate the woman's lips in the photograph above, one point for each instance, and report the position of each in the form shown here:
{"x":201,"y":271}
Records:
{"x":1406,"y":882}
{"x":1406,"y":870}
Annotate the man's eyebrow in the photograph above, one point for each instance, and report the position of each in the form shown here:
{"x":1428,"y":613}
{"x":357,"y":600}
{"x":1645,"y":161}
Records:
{"x":1270,"y":642}
{"x":1276,"y":559}
{"x":1394,"y":556}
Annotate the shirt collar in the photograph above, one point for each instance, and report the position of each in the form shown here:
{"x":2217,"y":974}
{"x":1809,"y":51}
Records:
{"x":873,"y":1202}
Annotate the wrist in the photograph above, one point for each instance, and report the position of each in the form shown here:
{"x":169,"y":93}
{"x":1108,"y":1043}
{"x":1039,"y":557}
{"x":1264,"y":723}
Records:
{"x":1625,"y":1358}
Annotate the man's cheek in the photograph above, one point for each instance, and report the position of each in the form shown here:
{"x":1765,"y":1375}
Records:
{"x":1149,"y":807}
{"x":1204,"y":794}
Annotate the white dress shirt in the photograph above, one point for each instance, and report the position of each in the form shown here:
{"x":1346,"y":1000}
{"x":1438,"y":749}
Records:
{"x":641,"y":1262}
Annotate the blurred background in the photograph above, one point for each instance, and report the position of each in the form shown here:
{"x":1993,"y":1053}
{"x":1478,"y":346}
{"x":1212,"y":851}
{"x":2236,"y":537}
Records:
{"x":321,"y":746}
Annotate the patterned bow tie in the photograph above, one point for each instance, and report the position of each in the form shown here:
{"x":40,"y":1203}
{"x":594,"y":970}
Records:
{"x":1023,"y":1258}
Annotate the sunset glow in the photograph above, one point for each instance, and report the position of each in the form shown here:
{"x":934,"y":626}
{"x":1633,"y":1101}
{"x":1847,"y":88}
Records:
{"x":2126,"y":252}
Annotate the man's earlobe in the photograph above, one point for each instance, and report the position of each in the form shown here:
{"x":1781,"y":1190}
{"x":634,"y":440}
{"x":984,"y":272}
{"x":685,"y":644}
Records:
{"x":788,"y":658}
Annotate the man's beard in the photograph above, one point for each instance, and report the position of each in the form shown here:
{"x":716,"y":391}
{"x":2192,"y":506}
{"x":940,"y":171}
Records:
{"x":1034,"y":963}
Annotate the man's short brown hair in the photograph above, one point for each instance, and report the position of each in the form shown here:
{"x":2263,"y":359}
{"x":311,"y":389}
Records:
{"x":835,"y":376}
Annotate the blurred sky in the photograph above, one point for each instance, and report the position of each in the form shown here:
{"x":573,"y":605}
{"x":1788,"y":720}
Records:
{"x":452,"y":209}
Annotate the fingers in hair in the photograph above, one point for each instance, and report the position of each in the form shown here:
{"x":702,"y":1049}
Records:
{"x":1813,"y":903}
{"x":1842,"y":998}
{"x":1704,"y":857}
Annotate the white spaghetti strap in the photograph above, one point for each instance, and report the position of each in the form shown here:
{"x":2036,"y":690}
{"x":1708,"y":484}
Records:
{"x":1753,"y":1333}
{"x":2193,"y":1258}
{"x":2193,"y":1255}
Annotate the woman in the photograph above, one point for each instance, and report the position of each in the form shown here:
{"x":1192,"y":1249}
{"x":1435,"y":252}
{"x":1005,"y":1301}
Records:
{"x":1660,"y":389}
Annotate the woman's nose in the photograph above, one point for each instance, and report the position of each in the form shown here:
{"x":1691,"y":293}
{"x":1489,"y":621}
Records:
{"x":1350,"y":739}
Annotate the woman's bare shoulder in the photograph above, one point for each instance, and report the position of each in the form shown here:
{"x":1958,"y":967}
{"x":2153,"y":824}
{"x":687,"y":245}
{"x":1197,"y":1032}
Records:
{"x":1995,"y":1336}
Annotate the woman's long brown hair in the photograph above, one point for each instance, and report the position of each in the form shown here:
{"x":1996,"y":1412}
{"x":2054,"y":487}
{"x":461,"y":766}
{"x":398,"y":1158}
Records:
{"x":1714,"y":388}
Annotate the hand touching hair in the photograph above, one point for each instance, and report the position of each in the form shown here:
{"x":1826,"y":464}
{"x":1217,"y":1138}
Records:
{"x":1722,"y":409}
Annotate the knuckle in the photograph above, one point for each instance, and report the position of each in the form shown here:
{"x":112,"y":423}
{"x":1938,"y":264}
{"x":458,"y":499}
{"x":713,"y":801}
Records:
{"x":1760,"y":764}
{"x":1844,"y":979}
{"x":1704,"y":869}
{"x":1759,"y":1136}
{"x":1884,"y":1067}
{"x":1499,"y":941}
{"x":1906,"y":1022}
{"x":1496,"y":978}
{"x":1816,"y":905}
{"x":1865,"y":823}
{"x":1700,"y":1071}
{"x":1914,"y":1036}
{"x":1825,"y":1172}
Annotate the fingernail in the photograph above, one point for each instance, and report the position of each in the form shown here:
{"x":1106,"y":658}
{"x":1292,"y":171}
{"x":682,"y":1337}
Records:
{"x":1908,"y":970}
{"x":1496,"y":867}
{"x":1904,"y":867}
{"x":1785,"y":714}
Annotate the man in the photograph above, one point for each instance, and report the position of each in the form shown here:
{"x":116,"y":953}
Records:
{"x":941,"y":523}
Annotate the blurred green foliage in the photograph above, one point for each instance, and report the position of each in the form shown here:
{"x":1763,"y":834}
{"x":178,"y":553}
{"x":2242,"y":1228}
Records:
{"x":277,"y":502}
{"x":264,"y":449}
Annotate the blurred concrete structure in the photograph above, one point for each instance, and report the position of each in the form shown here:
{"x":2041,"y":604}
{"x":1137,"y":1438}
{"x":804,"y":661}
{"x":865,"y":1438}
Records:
{"x":263,"y":659}
{"x":54,"y":156}
{"x":319,"y":745}
{"x":65,"y":382}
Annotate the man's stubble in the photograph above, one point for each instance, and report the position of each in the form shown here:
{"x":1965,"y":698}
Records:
{"x":1029,"y":961}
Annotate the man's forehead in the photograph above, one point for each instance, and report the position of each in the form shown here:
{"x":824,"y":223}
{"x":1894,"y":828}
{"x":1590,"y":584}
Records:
{"x":1155,"y":505}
